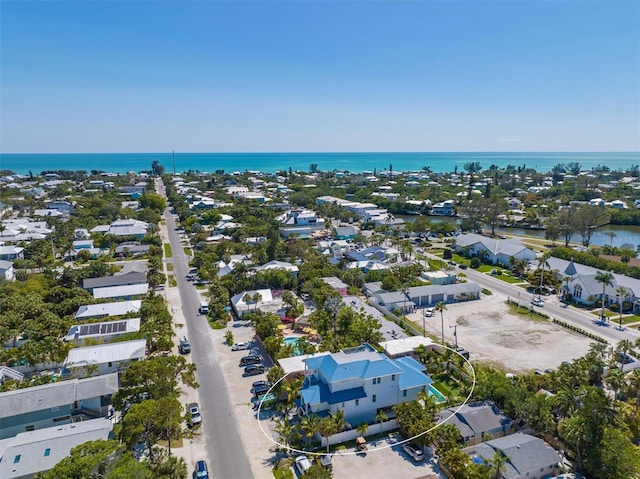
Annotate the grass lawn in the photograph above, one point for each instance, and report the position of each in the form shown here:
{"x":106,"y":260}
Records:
{"x":172,"y":281}
{"x":626,"y":319}
{"x":524,"y":311}
{"x":167,"y":250}
{"x":486,"y":268}
{"x":169,"y":266}
{"x":508,"y":279}
{"x":283,"y":473}
{"x":187,"y":251}
{"x":445,"y":384}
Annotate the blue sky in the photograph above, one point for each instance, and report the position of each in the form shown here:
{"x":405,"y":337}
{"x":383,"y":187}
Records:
{"x":222,"y":76}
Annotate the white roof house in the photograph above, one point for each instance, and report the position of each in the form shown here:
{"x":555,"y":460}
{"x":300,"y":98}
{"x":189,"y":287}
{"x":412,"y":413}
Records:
{"x":243,"y":304}
{"x":405,"y":346}
{"x":278,"y":265}
{"x":106,"y":354}
{"x":102,"y":310}
{"x":32,"y":452}
{"x":125,"y":291}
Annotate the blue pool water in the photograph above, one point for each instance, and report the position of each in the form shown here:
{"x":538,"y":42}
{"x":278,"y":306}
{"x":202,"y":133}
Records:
{"x":292,"y":342}
{"x":439,"y":397}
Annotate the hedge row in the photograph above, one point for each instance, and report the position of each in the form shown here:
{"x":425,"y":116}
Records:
{"x":570,"y":326}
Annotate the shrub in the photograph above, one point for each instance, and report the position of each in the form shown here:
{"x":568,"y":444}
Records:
{"x":486,"y":291}
{"x":475,"y":262}
{"x":447,"y":254}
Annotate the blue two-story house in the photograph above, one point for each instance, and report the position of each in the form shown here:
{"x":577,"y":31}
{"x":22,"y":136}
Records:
{"x":361,"y":382}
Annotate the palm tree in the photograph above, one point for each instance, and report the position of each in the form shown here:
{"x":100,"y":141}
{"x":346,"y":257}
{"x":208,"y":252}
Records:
{"x":441,"y":307}
{"x":607,"y":280}
{"x":333,"y":305}
{"x":498,"y":463}
{"x":615,"y":379}
{"x":362,"y":428}
{"x":621,"y":293}
{"x":542,"y":263}
{"x":327,"y":428}
{"x":380,"y":418}
{"x":284,"y":429}
{"x":338,"y":420}
{"x":310,"y":425}
{"x":291,"y":388}
{"x":574,"y":431}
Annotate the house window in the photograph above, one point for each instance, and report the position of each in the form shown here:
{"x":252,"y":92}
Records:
{"x":376,"y":380}
{"x":357,"y":402}
{"x":373,"y":398}
{"x":404,"y":393}
{"x":577,"y":291}
{"x":110,"y":364}
{"x":16,"y":459}
{"x":30,"y":427}
{"x":47,"y":451}
{"x":393,"y":377}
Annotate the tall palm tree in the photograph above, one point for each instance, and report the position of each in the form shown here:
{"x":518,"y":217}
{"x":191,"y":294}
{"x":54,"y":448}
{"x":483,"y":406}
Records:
{"x":333,"y":305}
{"x":542,"y":262}
{"x":380,"y":418}
{"x":441,"y":307}
{"x":327,"y":428}
{"x":615,"y":379}
{"x":498,"y":463}
{"x":310,"y":425}
{"x":621,"y":293}
{"x":338,"y":420}
{"x":607,"y":280}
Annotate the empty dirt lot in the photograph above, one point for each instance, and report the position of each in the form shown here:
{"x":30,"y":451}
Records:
{"x":491,"y":332}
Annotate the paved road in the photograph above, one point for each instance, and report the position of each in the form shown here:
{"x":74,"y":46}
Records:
{"x":226,"y":452}
{"x":577,"y":317}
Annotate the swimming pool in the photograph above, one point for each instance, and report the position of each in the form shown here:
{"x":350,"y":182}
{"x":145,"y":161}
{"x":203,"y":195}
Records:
{"x":292,"y":342}
{"x":434,"y":392}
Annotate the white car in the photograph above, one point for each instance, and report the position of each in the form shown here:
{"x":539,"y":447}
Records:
{"x":302,"y":464}
{"x":429,"y":312}
{"x":241,"y":347}
{"x":537,"y":302}
{"x":194,"y":414}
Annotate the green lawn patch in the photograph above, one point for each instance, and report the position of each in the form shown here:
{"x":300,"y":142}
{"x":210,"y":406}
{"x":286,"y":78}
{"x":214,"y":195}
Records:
{"x":508,"y":279}
{"x":445,"y":384}
{"x":172,"y":281}
{"x":485,"y":268}
{"x":626,"y":319}
{"x":167,"y":250}
{"x":169,"y":266}
{"x":283,"y":473}
{"x":187,"y":251}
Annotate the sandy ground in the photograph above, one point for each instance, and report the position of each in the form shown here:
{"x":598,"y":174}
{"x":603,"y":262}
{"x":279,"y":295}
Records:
{"x":492,"y":333}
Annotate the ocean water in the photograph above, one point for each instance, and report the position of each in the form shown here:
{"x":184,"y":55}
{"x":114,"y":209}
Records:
{"x":270,"y":162}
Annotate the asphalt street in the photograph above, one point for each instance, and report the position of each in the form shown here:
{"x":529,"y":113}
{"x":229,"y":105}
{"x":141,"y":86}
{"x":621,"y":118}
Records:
{"x":224,"y":446}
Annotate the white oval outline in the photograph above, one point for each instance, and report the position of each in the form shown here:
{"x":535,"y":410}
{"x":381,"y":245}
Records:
{"x":375,"y":448}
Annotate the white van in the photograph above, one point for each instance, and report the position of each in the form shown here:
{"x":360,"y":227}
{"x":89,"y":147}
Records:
{"x":204,"y":308}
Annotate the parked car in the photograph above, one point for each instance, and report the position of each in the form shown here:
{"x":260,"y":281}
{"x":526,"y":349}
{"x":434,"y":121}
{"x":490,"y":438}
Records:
{"x":260,"y":383}
{"x":463,"y":266}
{"x":251,"y":359}
{"x":194,"y":414}
{"x":416,"y":453}
{"x":302,"y":464}
{"x":287,"y":320}
{"x":202,"y":471}
{"x":184,"y":346}
{"x":253,"y":370}
{"x":241,"y":346}
{"x":429,"y":312}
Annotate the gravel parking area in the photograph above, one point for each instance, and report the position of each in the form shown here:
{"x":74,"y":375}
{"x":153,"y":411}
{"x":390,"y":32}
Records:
{"x":492,"y":333}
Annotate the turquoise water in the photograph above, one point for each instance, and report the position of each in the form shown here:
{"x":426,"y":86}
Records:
{"x":270,"y":162}
{"x":292,"y":342}
{"x":434,"y":392}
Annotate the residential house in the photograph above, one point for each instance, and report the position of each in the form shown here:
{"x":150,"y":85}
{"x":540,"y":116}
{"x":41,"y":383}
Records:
{"x":495,"y":250}
{"x":336,"y":284}
{"x":299,"y":217}
{"x":360,"y":382}
{"x":527,"y":456}
{"x":6,"y":270}
{"x":129,"y":249}
{"x":62,"y":206}
{"x":395,"y":301}
{"x":104,"y":332}
{"x":103,"y":310}
{"x":234,"y":260}
{"x":55,"y":404}
{"x":10,"y":253}
{"x":35,"y":452}
{"x":283,"y":265}
{"x":249,"y":301}
{"x":116,"y":280}
{"x":121,"y":292}
{"x":514,"y":203}
{"x":345,"y":232}
{"x":398,"y":348}
{"x":124,"y":227}
{"x":443,"y":208}
{"x":478,"y":422}
{"x":439,"y":277}
{"x":103,"y":358}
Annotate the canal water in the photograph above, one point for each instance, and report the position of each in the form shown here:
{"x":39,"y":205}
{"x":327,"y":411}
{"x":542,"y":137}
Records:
{"x":624,"y":234}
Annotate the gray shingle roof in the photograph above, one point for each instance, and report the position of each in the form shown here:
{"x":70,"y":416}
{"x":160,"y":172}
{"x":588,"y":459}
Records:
{"x":115,"y":280}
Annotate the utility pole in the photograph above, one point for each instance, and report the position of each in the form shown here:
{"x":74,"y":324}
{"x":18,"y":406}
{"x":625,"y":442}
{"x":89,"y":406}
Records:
{"x":455,"y":334}
{"x":424,"y":331}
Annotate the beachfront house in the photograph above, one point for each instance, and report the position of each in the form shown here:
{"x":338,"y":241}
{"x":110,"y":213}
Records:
{"x":361,"y":382}
{"x":103,"y":358}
